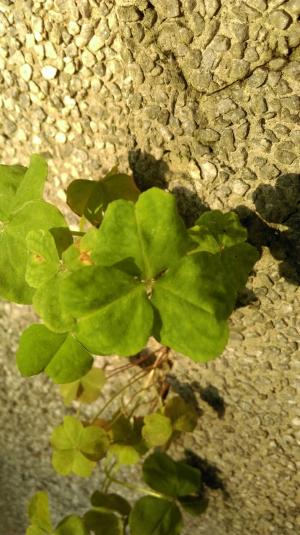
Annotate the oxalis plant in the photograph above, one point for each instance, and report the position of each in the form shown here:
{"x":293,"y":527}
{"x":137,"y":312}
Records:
{"x":130,"y":272}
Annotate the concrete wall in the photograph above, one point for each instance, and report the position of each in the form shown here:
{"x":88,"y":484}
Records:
{"x":202,"y":97}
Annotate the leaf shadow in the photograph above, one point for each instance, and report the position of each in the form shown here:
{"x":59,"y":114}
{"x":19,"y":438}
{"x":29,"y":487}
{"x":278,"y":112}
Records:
{"x":279,"y":204}
{"x":211,"y":474}
{"x":211,"y":396}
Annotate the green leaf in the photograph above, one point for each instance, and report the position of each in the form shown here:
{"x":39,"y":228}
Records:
{"x":13,"y":260}
{"x":226,"y":229}
{"x":87,"y":389}
{"x":111,"y":502}
{"x":194,"y":505}
{"x":63,"y":239}
{"x":48,"y":305}
{"x":32,"y":185}
{"x":10,"y":178}
{"x":155,"y":516}
{"x":238,"y":262}
{"x":151,"y":232}
{"x":157,"y":429}
{"x":43,"y":259}
{"x":77,"y":448}
{"x":182,"y":414}
{"x":103,"y":523}
{"x":91,"y":198}
{"x":39,"y":514}
{"x":193,"y":300}
{"x":72,"y":525}
{"x":124,"y":454}
{"x":112,"y":310}
{"x":172,"y":478}
{"x":61,"y":356}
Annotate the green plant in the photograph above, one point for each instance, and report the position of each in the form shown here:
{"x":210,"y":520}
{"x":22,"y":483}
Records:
{"x":131,"y":271}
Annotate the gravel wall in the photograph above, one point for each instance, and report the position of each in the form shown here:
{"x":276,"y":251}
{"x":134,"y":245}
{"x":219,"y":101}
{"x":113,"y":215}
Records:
{"x":201,"y":97}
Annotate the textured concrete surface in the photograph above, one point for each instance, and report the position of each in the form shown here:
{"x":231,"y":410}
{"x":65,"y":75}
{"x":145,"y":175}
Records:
{"x":204,"y":97}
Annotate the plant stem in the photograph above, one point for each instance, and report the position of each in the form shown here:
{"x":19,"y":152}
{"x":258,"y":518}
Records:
{"x":138,"y":488}
{"x":136,"y":378}
{"x":77,"y":233}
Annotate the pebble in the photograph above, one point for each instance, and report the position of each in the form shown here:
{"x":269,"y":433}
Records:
{"x":88,"y":59}
{"x":285,"y":156}
{"x":208,"y":170}
{"x":280,"y":19}
{"x":50,"y":51}
{"x":26,"y":72}
{"x":167,"y":9}
{"x":49,"y":72}
{"x":95,"y":43}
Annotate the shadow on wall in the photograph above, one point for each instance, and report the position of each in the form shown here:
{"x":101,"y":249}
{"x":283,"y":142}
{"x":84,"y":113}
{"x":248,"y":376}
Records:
{"x":279,"y":204}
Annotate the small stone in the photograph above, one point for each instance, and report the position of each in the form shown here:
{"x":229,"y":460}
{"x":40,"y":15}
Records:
{"x":73,"y":28}
{"x":88,"y":59}
{"x":270,"y":171}
{"x":208,"y":170}
{"x":85,"y":35}
{"x":207,"y":136}
{"x":50,"y":50}
{"x":26,"y":72}
{"x":212,"y":7}
{"x":62,"y":125}
{"x":60,"y":137}
{"x":280,"y":19}
{"x":285,"y":156}
{"x":239,"y":69}
{"x":258,"y":78}
{"x":277,"y":64}
{"x":251,"y":54}
{"x":225,"y":105}
{"x":258,"y":105}
{"x":167,"y":9}
{"x":49,"y":72}
{"x":95,"y":43}
{"x":129,"y":14}
{"x":261,"y":5}
{"x":239,"y":187}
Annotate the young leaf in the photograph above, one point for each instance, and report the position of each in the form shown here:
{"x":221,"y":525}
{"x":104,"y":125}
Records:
{"x":39,"y":515}
{"x":72,"y":525}
{"x":111,"y":502}
{"x":112,"y":310}
{"x":77,"y":448}
{"x":193,"y":301}
{"x":155,"y":516}
{"x":182,"y":414}
{"x":151,"y":232}
{"x":172,"y":478}
{"x":157,"y":429}
{"x":103,"y":523}
{"x":124,"y":454}
{"x":61,"y":356}
{"x":194,"y":505}
{"x":87,"y":389}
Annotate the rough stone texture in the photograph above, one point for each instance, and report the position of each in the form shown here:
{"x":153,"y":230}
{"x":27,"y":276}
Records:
{"x":204,"y":97}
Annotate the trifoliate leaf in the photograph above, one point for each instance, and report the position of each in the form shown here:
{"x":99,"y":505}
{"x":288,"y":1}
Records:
{"x":112,"y":310}
{"x":111,"y":502}
{"x":157,"y":429}
{"x":91,"y":198}
{"x":182,"y":415}
{"x":77,"y":448}
{"x":172,"y":478}
{"x":61,"y":356}
{"x":151,"y":232}
{"x":101,"y":523}
{"x":155,"y":516}
{"x":193,"y":300}
{"x":39,"y":514}
{"x":87,"y":389}
{"x":72,"y":525}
